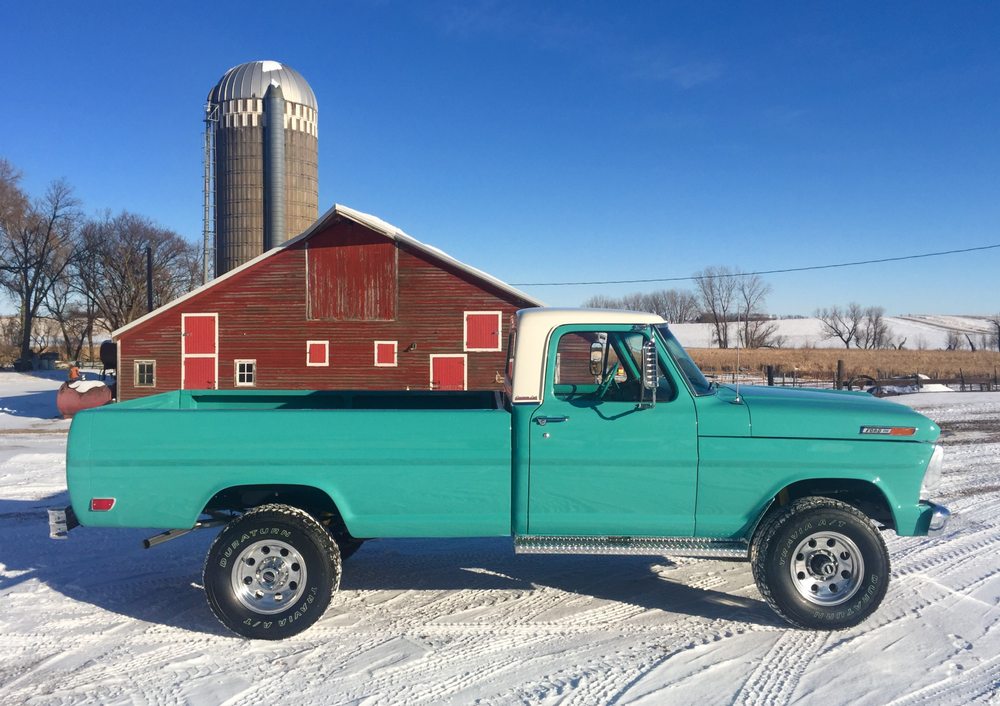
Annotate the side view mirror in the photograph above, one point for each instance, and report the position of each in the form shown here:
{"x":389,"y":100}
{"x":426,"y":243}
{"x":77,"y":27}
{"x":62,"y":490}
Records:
{"x":596,"y":358}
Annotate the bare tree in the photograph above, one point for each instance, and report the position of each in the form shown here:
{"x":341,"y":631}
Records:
{"x":602,"y":301}
{"x":635,"y":302}
{"x":844,"y":324}
{"x":874,"y":332}
{"x":36,"y":245}
{"x":13,"y":201}
{"x":113,"y":266}
{"x":995,"y":338}
{"x":72,"y":312}
{"x":756,"y":330}
{"x":675,"y":305}
{"x":717,"y":292}
{"x":678,"y":306}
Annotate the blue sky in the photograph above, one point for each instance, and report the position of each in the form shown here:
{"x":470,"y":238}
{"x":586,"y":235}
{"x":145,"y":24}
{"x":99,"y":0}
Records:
{"x":548,"y":142}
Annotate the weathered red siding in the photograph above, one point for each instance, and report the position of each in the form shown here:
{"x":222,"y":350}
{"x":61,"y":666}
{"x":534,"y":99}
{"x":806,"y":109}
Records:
{"x":263,"y":316}
{"x":352,"y":276}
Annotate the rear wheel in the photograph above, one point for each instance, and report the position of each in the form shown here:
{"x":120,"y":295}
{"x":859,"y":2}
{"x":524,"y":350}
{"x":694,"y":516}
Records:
{"x":271,"y":572}
{"x":820,"y":564}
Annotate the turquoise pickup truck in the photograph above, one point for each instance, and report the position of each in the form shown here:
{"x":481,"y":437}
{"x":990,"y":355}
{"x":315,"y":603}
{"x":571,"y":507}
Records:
{"x":607,"y":439}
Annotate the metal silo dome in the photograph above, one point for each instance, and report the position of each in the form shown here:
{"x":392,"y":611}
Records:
{"x":252,"y":79}
{"x":261,"y":161}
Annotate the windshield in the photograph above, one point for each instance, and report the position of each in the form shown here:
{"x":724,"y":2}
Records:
{"x":688,"y":369}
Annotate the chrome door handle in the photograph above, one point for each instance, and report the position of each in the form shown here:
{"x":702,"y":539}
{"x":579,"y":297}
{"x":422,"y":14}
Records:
{"x":542,"y":421}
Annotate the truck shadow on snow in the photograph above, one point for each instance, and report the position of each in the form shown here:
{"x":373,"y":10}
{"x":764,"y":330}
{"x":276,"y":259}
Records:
{"x":109,"y":569}
{"x":106,"y":568}
{"x":490,"y":564}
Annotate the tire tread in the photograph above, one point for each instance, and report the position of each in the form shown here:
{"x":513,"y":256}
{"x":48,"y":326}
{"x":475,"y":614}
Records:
{"x":306,"y":522}
{"x":760,"y":547}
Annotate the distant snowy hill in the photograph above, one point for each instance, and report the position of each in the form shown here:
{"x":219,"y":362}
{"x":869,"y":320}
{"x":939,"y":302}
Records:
{"x":920,"y":331}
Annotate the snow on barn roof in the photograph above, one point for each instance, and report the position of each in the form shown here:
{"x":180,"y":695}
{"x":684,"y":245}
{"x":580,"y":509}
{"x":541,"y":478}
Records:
{"x":369,"y":221}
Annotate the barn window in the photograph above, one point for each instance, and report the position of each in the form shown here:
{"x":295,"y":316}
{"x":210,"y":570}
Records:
{"x":317,"y":353}
{"x":482,"y":330}
{"x":385,"y":354}
{"x":145,"y":373}
{"x":246,"y":373}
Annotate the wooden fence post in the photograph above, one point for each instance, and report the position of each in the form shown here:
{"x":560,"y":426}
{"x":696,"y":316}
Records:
{"x":770,"y":376}
{"x":839,"y":380}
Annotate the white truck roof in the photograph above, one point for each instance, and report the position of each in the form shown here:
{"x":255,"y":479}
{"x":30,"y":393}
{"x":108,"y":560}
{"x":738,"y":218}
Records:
{"x":534,"y":326}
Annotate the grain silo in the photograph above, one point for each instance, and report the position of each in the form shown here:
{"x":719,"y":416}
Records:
{"x":261,"y":172}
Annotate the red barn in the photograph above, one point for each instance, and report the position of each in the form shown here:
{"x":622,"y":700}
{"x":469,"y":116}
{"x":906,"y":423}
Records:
{"x":351,"y":303}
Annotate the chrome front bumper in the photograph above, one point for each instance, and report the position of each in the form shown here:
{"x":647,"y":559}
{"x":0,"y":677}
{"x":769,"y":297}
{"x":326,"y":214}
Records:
{"x":939,"y":518}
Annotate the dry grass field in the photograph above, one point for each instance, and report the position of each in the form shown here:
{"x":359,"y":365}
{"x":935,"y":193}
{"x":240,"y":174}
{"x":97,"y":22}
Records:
{"x":821,"y":363}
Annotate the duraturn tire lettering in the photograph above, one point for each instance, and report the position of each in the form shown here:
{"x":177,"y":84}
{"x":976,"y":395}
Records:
{"x":777,"y":538}
{"x":309,"y":538}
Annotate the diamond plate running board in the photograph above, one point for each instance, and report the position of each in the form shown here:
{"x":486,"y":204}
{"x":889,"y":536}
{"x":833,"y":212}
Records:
{"x":655,"y":546}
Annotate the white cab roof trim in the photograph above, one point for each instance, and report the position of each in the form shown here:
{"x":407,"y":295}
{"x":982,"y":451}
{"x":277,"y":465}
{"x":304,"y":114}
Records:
{"x":534,"y":326}
{"x":365,"y":219}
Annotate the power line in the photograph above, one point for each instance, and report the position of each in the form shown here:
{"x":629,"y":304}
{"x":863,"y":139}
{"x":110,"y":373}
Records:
{"x":761,"y":272}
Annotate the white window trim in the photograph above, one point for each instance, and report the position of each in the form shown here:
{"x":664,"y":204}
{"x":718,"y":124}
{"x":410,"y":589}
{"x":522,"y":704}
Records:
{"x":135,"y":373}
{"x":236,"y":372}
{"x":326,"y":358}
{"x":465,"y":369}
{"x":395,"y":354}
{"x":465,"y":331}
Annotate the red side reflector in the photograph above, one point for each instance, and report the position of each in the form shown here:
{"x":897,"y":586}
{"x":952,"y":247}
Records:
{"x":101,"y":504}
{"x":902,"y":431}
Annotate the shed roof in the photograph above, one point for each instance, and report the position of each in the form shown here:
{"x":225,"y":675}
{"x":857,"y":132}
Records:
{"x":369,"y":221}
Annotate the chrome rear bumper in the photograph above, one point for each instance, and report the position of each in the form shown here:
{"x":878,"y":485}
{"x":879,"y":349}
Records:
{"x":61,"y":521}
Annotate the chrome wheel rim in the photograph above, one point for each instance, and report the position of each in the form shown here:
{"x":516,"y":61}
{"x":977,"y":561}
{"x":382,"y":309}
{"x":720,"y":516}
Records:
{"x":268,"y":576}
{"x":827,"y":568}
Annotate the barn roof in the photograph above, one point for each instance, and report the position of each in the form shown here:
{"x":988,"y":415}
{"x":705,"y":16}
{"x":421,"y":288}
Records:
{"x":369,"y":221}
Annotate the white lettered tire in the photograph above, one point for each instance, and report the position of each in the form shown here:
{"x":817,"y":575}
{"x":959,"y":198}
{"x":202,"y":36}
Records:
{"x":820,"y":564}
{"x":271,"y":572}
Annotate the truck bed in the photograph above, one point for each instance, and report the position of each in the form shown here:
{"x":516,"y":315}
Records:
{"x":397,"y":464}
{"x":317,"y":399}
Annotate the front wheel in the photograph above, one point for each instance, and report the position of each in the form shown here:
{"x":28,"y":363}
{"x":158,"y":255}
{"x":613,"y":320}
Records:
{"x":271,"y":572}
{"x":820,"y":564}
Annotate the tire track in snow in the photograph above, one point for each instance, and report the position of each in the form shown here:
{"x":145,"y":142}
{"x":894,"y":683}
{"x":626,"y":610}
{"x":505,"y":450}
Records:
{"x":781,"y":668}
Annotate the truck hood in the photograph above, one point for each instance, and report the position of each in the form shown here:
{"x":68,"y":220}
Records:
{"x":828,"y":414}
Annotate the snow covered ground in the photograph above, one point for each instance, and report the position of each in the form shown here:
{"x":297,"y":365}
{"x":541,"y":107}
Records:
{"x":919,"y":331}
{"x":97,"y":619}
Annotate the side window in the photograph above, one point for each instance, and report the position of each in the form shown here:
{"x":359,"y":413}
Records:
{"x":145,"y":373}
{"x":577,"y":362}
{"x":600,"y":366}
{"x":246,"y":373}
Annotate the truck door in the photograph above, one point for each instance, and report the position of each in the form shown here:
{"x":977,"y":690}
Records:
{"x":601,"y":463}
